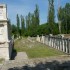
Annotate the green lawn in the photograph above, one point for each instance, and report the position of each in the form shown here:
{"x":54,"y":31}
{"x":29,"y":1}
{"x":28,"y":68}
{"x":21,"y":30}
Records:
{"x":34,"y":49}
{"x":1,"y":60}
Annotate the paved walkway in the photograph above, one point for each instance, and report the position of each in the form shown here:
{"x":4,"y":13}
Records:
{"x":51,"y":63}
{"x":21,"y":56}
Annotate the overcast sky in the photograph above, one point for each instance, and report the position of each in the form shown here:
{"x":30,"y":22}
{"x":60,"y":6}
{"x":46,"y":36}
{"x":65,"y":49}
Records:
{"x":25,"y":6}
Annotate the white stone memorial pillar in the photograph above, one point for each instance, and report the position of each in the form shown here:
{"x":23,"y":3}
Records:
{"x":43,"y":39}
{"x":54,"y":43}
{"x":69,"y":45}
{"x":38,"y":38}
{"x":60,"y":45}
{"x":51,"y":42}
{"x":66,"y":47}
{"x":63,"y":46}
{"x":46,"y":40}
{"x":5,"y":42}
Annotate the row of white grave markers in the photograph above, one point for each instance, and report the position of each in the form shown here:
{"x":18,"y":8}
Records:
{"x":62,"y":44}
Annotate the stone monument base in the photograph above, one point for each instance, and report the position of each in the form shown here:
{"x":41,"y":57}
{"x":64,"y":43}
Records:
{"x":5,"y":50}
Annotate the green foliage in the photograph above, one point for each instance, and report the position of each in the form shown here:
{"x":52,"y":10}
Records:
{"x":32,"y":22}
{"x":9,"y":27}
{"x":22,"y":25}
{"x":32,"y":27}
{"x":51,"y":16}
{"x":18,"y":25}
{"x":36,"y":14}
{"x":14,"y":30}
{"x":64,"y":17}
{"x":56,"y":29}
{"x":1,"y":61}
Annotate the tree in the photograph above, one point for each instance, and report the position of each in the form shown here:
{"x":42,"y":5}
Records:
{"x":32,"y":22}
{"x":22,"y":25}
{"x":27,"y":23}
{"x":14,"y":30}
{"x":18,"y":25}
{"x":9,"y":27}
{"x":36,"y":14}
{"x":51,"y":15}
{"x":33,"y":25}
{"x":64,"y":17}
{"x":67,"y":17}
{"x":59,"y":19}
{"x":29,"y":20}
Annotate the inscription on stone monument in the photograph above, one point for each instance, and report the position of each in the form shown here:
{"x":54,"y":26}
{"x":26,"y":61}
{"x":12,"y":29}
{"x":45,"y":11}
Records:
{"x":1,"y":12}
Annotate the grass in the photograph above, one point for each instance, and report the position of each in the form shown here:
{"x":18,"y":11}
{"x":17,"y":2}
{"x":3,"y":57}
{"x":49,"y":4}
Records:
{"x":1,"y":60}
{"x":35,"y":49}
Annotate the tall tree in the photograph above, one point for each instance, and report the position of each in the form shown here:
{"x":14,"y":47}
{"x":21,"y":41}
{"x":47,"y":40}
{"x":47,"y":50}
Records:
{"x":51,"y":15}
{"x":36,"y":14}
{"x":33,"y":21}
{"x":27,"y":22}
{"x":60,"y":17}
{"x":22,"y":25}
{"x":14,"y":30}
{"x":10,"y":27}
{"x":18,"y":25}
{"x":67,"y":17}
{"x":64,"y":17}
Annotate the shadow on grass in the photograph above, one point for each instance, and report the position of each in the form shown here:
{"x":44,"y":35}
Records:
{"x":14,"y":53}
{"x":54,"y":65}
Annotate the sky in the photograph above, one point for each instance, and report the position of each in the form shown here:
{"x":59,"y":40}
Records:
{"x":23,"y":7}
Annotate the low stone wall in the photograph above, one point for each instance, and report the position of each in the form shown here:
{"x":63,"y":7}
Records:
{"x":62,"y":44}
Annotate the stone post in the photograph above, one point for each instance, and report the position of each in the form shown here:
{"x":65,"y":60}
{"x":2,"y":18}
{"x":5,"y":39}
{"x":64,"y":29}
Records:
{"x":54,"y":43}
{"x":63,"y":45}
{"x":69,"y":45}
{"x":57,"y":44}
{"x":43,"y":39}
{"x":38,"y":38}
{"x":60,"y":45}
{"x":66,"y":46}
{"x":47,"y":40}
{"x":51,"y":42}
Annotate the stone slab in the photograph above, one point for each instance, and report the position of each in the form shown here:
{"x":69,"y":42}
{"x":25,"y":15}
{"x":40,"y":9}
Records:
{"x":21,"y":56}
